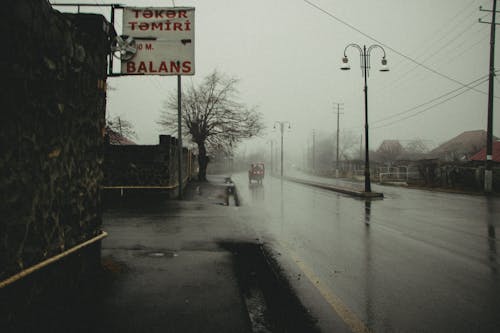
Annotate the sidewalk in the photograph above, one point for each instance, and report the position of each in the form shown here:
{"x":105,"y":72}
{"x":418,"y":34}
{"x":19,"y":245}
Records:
{"x":332,"y":184}
{"x":170,"y":273}
{"x":337,"y":188}
{"x":191,"y":266}
{"x":174,"y":266}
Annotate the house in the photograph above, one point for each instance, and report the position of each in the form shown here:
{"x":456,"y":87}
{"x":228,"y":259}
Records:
{"x":481,"y":155}
{"x":388,"y":151}
{"x":462,"y":147}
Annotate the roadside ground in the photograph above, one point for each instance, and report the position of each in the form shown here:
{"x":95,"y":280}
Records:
{"x":168,"y":266}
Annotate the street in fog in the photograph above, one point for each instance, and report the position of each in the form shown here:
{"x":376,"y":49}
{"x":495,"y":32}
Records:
{"x":414,"y":261}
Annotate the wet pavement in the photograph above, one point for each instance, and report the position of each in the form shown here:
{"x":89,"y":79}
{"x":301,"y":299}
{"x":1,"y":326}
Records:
{"x":175,"y":277}
{"x":193,"y":266}
{"x":289,"y":258}
{"x":414,"y":261}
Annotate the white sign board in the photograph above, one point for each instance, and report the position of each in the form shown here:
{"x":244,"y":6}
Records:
{"x":164,"y":40}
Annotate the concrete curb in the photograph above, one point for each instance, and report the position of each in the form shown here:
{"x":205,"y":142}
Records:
{"x":344,"y":190}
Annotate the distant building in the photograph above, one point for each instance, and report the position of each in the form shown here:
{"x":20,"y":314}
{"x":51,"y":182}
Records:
{"x":481,"y":155}
{"x":116,"y":138}
{"x":388,"y":151}
{"x":462,"y":147}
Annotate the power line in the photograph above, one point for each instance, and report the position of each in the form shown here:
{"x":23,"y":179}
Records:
{"x":433,"y":54}
{"x":428,"y":102}
{"x":435,"y":39}
{"x":469,"y":87}
{"x":392,"y":49}
{"x":456,"y":54}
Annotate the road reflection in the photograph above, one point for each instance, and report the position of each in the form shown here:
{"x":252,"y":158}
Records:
{"x":257,"y":192}
{"x":368,"y":274}
{"x":282,"y":206}
{"x":381,"y":264}
{"x":492,"y":241}
{"x":368,"y":211}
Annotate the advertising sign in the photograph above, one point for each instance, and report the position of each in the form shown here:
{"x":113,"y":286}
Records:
{"x":162,"y":41}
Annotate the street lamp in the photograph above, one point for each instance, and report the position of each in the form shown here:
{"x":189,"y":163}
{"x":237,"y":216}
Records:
{"x":365,"y":68}
{"x":282,"y":129}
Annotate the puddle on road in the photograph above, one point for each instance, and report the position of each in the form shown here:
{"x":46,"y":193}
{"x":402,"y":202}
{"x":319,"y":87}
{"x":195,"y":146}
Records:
{"x":158,"y":254}
{"x":143,"y":251}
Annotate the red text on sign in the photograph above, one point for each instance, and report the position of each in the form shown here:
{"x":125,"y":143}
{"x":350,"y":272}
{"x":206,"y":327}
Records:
{"x":159,"y":13}
{"x":162,"y":26}
{"x":150,"y":67}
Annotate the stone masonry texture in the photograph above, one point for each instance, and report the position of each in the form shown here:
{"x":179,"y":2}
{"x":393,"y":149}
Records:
{"x":52,"y":118}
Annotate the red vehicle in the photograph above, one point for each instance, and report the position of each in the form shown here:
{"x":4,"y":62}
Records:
{"x":256,"y":173}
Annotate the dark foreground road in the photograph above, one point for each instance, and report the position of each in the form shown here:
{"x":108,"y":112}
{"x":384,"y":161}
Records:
{"x":290,"y":258}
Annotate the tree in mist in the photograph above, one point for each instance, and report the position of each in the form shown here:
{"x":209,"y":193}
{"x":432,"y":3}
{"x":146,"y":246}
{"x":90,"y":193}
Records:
{"x":326,"y":149}
{"x":348,"y":145}
{"x":120,"y":125}
{"x":416,"y":146}
{"x":389,"y":151}
{"x":212,"y":117}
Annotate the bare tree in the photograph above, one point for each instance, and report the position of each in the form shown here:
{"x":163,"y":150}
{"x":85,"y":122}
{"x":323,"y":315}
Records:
{"x":348,"y":145}
{"x":389,"y":150}
{"x":120,"y":125}
{"x":325,"y":150}
{"x":416,"y":146}
{"x":212,"y":116}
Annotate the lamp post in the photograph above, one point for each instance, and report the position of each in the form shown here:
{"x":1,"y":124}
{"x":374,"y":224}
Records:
{"x":282,"y":129}
{"x":365,"y":68}
{"x":272,"y":155}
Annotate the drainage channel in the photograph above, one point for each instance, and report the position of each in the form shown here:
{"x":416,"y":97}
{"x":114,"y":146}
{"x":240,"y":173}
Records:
{"x":271,"y":303}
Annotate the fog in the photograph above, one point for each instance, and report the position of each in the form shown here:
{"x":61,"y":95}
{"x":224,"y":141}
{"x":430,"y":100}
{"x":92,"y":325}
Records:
{"x":287,"y":55}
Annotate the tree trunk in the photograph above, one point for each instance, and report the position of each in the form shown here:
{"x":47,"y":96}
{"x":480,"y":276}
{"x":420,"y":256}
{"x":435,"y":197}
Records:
{"x":202,"y":162}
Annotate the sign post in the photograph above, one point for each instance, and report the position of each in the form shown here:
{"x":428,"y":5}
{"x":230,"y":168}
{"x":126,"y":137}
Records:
{"x":164,"y":41}
{"x":179,"y":132}
{"x":159,"y":41}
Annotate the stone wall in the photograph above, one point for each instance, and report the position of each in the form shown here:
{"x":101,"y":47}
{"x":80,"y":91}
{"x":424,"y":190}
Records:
{"x":52,"y":116}
{"x":145,"y":165}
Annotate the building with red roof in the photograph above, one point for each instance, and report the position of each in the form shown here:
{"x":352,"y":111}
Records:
{"x":481,"y":155}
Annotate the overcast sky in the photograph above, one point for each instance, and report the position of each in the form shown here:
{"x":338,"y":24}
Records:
{"x":287,"y":54}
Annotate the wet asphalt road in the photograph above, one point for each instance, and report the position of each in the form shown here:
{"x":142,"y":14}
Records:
{"x":417,"y":261}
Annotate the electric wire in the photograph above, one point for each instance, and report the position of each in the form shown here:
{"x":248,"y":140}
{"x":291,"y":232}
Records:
{"x":432,"y":55}
{"x":437,"y":38}
{"x":468,"y":88}
{"x":483,"y":78}
{"x":459,"y":49}
{"x":456,"y":55}
{"x":427,"y":102}
{"x":453,"y":28}
{"x":391,"y":48}
{"x":450,"y":26}
{"x":457,"y":52}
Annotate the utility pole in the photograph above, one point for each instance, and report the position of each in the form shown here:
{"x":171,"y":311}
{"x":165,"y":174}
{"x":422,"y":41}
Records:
{"x":488,"y":172}
{"x":314,"y":152}
{"x":339,"y":107}
{"x":179,"y":134}
{"x":281,"y":125}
